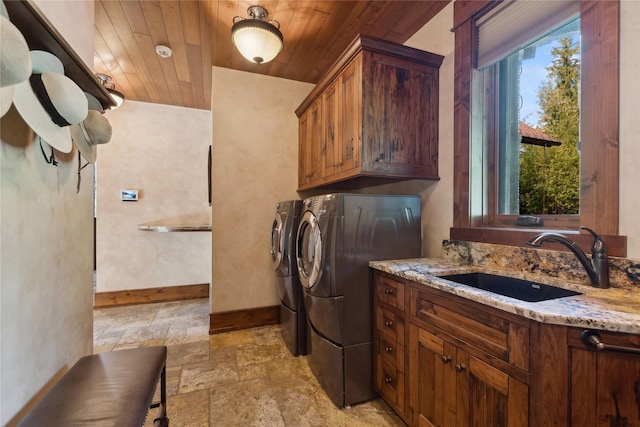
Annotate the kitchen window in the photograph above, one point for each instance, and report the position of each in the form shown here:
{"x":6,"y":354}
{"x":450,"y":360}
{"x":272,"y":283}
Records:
{"x":491,"y":42}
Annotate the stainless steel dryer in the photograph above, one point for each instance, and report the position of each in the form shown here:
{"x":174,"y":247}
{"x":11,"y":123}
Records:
{"x":292,"y":313}
{"x":337,"y":237}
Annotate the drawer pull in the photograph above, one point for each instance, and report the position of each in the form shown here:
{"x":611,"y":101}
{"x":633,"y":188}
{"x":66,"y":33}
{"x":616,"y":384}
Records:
{"x":592,"y":339}
{"x":388,"y":349}
{"x":387,"y":380}
{"x":460,"y":367}
{"x":388,"y":323}
{"x":446,"y":359}
{"x":388,"y":291}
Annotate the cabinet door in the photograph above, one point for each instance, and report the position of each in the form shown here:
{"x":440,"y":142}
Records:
{"x":605,"y":387}
{"x":343,"y":122}
{"x":449,"y":387}
{"x":310,"y":138}
{"x":350,"y":133}
{"x":332,"y":119}
{"x":487,"y":396}
{"x":431,"y":380}
{"x":303,"y":149}
{"x":400,"y":113}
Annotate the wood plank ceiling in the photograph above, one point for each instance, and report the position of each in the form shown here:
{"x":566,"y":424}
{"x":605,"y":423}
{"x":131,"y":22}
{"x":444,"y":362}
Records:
{"x":199,"y":33}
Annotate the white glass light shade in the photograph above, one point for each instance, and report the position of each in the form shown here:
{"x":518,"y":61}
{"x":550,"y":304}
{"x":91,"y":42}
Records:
{"x":258,"y":41}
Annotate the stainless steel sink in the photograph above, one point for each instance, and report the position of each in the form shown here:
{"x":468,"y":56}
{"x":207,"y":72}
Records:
{"x":524,"y":290}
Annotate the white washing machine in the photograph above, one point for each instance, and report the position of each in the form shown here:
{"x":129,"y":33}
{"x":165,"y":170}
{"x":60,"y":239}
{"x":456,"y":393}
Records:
{"x":292,"y":312}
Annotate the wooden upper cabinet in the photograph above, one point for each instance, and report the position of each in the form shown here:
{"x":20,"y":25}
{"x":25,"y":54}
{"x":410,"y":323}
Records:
{"x":350,"y":117}
{"x":400,"y":110}
{"x":379,"y":106}
{"x":310,"y":129}
{"x":331,"y":109}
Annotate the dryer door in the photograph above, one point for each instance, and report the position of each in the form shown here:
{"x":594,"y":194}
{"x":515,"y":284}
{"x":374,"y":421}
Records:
{"x":277,"y":241}
{"x":309,"y":250}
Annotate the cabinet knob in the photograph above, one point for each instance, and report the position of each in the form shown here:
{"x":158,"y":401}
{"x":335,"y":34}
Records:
{"x":388,"y":323}
{"x":388,"y":291}
{"x":460,"y":367}
{"x":446,"y":359}
{"x":387,"y":380}
{"x":388,"y":349}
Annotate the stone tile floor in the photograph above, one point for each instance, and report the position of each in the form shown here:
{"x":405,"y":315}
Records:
{"x":241,"y":378}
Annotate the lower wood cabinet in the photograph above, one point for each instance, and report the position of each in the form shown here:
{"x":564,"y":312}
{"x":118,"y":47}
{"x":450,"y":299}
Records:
{"x":453,"y":388}
{"x":605,"y":387}
{"x":442,"y":360}
{"x":389,"y":343}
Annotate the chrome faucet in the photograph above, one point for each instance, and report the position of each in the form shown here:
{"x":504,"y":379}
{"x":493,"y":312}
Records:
{"x":597,"y":268}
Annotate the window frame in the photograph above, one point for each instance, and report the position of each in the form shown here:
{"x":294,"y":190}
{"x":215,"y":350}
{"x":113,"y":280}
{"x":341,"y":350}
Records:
{"x":599,"y":175}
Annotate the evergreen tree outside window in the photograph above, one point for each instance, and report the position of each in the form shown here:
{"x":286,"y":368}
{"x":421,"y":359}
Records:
{"x":487,"y":32}
{"x":550,"y":175}
{"x":536,"y":85}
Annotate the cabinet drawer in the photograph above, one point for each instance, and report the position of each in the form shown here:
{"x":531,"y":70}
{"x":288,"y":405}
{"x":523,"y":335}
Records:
{"x":390,"y":291}
{"x":390,"y":384}
{"x":390,"y":324}
{"x":490,"y":333}
{"x":390,"y":351}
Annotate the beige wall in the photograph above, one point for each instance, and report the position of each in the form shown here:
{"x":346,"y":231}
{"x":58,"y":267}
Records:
{"x":255,"y":165}
{"x":46,"y":244}
{"x":68,"y":20}
{"x":161,"y":151}
{"x":630,"y":126}
{"x":437,"y":198}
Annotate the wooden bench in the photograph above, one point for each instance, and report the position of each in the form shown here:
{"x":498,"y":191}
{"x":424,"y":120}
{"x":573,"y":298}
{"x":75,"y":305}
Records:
{"x":107,"y":389}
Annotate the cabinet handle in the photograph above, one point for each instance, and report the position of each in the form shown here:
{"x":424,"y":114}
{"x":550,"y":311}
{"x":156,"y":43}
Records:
{"x":460,"y":367}
{"x":388,"y":323}
{"x":592,"y":339}
{"x":388,"y":349}
{"x":388,"y":291}
{"x":387,"y":380}
{"x":446,"y":359}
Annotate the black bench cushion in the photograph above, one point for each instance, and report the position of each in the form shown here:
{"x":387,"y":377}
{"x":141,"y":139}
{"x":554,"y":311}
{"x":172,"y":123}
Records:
{"x":106,"y":389}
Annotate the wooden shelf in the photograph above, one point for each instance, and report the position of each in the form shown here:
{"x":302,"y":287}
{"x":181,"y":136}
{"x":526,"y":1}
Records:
{"x":40,"y":34}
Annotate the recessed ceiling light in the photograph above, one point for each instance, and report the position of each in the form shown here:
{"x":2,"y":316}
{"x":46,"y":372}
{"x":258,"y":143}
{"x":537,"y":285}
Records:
{"x":163,"y":51}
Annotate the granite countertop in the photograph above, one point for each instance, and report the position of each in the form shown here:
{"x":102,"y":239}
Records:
{"x":606,"y":309}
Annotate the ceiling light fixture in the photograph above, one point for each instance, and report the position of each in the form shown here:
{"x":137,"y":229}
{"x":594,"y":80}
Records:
{"x":257,"y":39}
{"x":117,"y":96}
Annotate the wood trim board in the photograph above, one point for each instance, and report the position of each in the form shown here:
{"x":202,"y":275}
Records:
{"x":243,"y":319}
{"x":150,"y":295}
